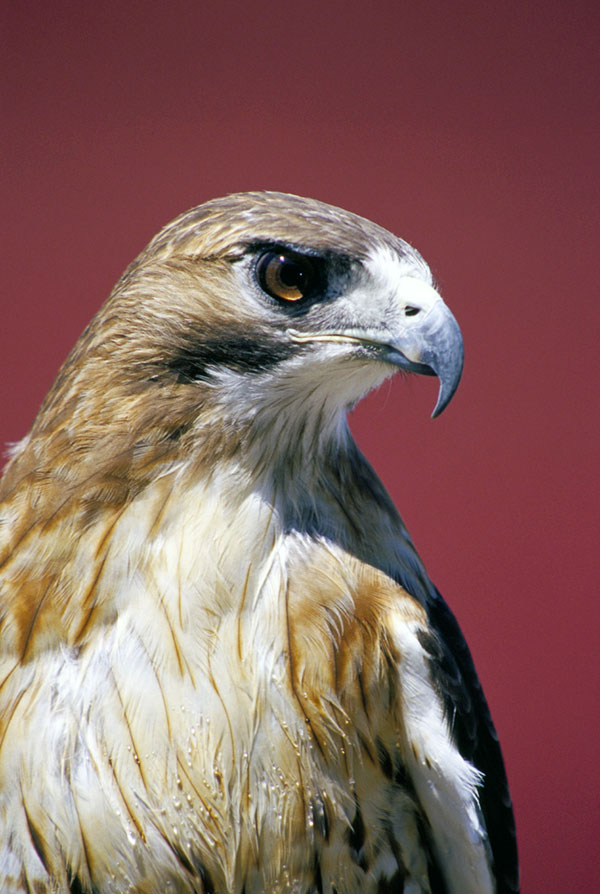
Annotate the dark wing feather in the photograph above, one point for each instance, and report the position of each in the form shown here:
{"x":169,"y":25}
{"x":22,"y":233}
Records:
{"x":456,"y":680}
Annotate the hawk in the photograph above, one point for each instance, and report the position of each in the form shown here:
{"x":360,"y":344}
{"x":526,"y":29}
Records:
{"x":223,"y":667}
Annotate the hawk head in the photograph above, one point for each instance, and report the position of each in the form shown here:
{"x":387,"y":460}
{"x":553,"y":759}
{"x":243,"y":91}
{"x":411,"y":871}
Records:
{"x":245,"y":329}
{"x":253,"y":308}
{"x":300,"y":292}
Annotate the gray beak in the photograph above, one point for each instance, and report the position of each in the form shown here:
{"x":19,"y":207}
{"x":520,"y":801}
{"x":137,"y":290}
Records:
{"x":431,"y":344}
{"x":420,"y":336}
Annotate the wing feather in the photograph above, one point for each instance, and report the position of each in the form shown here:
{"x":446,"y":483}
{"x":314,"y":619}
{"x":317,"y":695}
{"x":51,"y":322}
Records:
{"x":457,"y":683}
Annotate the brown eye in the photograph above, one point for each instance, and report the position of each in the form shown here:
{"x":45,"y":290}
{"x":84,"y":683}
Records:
{"x":285,"y":276}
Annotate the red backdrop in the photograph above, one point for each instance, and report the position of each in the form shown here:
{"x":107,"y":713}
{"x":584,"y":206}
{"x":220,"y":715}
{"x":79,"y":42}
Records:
{"x":470,"y":129}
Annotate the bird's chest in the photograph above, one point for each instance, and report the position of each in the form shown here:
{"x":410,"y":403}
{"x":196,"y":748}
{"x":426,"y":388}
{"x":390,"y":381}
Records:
{"x":284,"y":711}
{"x":245,"y":725}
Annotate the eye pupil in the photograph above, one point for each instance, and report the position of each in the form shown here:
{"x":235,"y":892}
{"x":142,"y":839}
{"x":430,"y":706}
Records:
{"x":290,"y":272}
{"x":285,"y":276}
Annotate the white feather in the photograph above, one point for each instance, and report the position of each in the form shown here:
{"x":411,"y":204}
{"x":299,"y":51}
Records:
{"x":445,"y":782}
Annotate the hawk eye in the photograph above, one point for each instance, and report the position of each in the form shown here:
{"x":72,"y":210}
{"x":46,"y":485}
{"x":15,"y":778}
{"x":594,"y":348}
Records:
{"x":285,"y":275}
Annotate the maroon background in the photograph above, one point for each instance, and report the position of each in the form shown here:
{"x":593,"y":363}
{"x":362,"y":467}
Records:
{"x":470,"y":129}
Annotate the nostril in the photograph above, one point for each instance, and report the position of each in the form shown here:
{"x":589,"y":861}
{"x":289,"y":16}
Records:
{"x":411,"y":311}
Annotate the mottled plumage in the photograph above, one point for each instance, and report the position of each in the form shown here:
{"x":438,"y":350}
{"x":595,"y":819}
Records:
{"x":223,"y":667}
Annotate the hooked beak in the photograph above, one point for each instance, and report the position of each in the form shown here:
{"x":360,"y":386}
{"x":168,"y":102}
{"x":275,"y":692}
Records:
{"x":431,"y":344}
{"x":421,"y":336}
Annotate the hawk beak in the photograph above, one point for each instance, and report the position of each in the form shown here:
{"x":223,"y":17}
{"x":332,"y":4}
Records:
{"x":430,"y":344}
{"x":424,"y":338}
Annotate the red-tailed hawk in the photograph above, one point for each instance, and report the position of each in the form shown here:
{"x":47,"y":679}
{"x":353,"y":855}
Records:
{"x":223,"y":667}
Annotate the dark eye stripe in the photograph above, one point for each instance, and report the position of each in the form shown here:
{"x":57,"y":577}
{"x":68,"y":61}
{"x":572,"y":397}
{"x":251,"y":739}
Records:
{"x":238,"y":349}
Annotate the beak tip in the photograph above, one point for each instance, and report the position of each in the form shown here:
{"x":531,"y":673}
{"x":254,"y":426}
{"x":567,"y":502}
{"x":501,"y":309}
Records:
{"x":442,"y":403}
{"x":449,"y":381}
